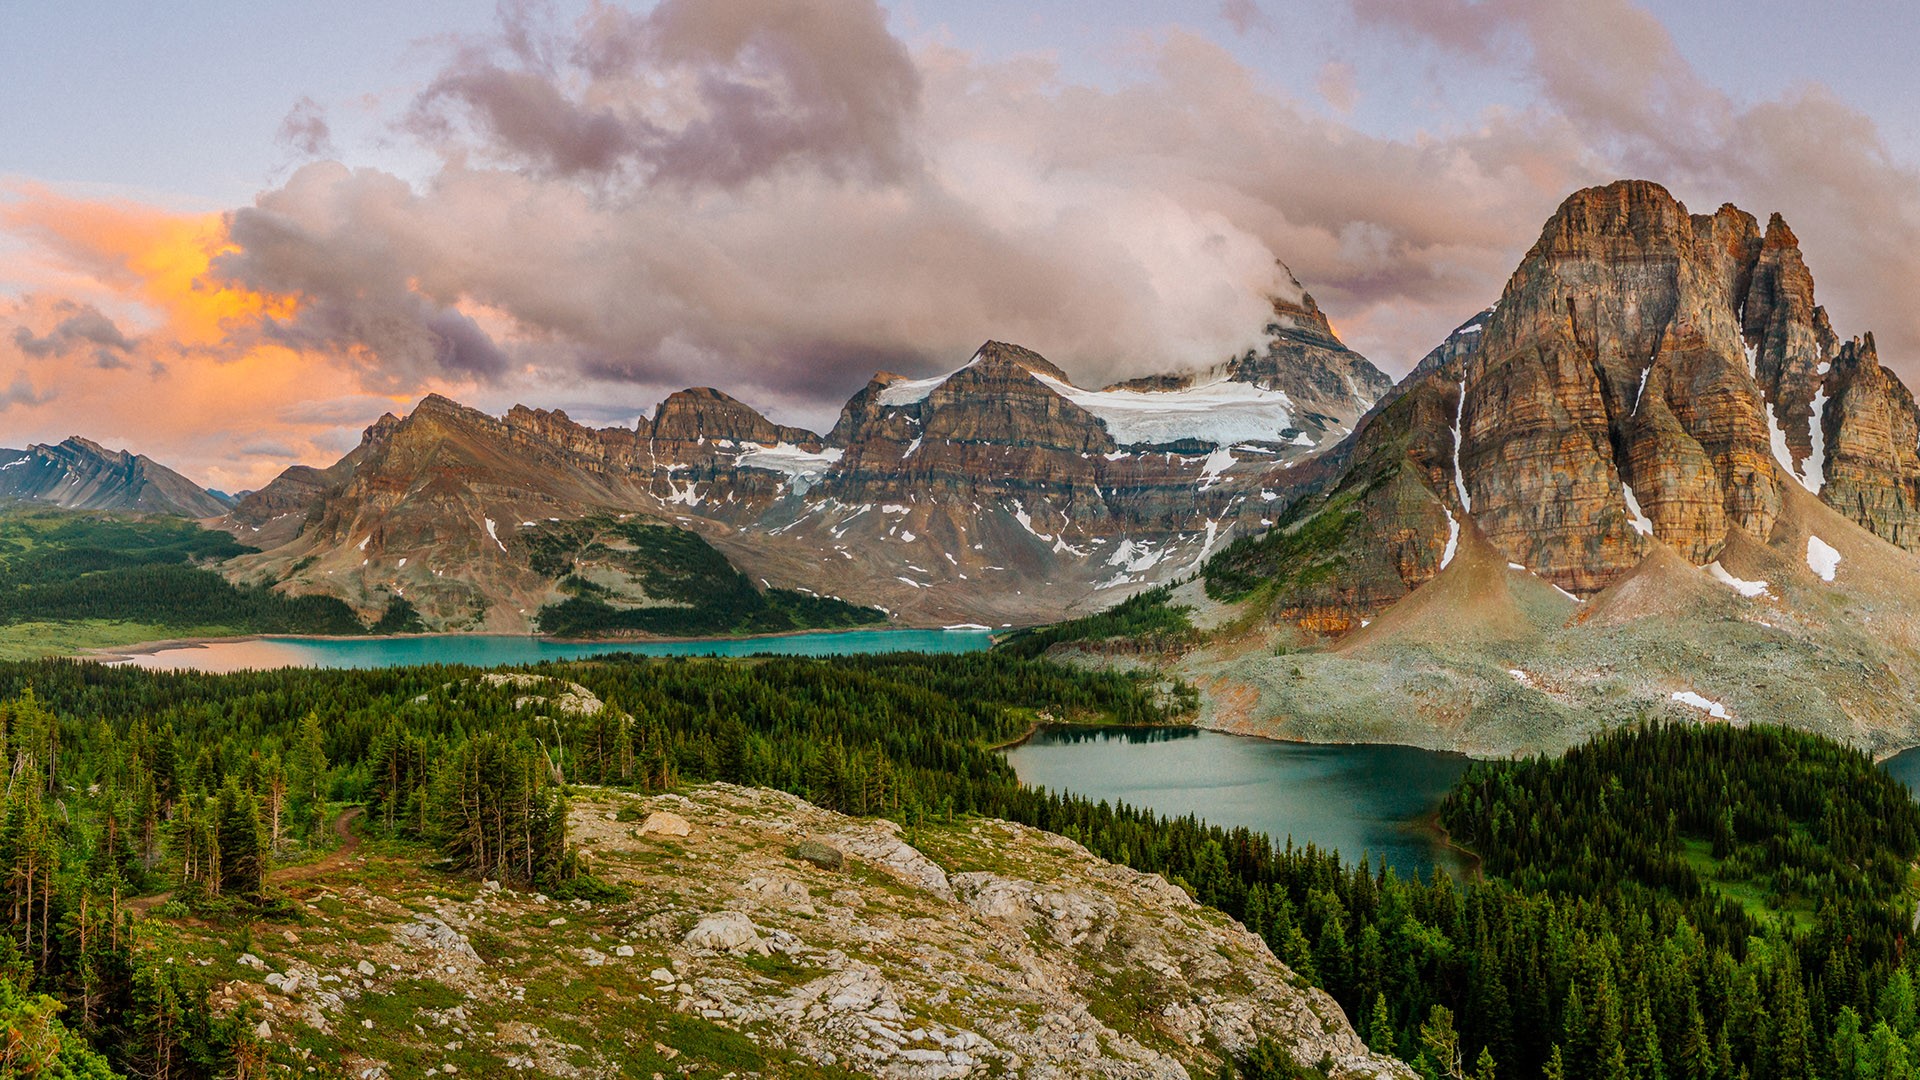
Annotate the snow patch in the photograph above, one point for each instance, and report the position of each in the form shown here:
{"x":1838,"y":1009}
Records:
{"x":1739,"y":585}
{"x":1707,"y":705}
{"x":1221,"y":413}
{"x":493,"y":532}
{"x":1206,"y":546}
{"x":1816,"y":465}
{"x":914,"y":391}
{"x":1217,"y":462}
{"x":362,"y":545}
{"x":805,"y":467}
{"x":1822,"y":559}
{"x":1459,"y":481}
{"x":1636,"y":517}
{"x":1135,"y":557}
{"x":1453,"y":538}
{"x":1026,"y":522}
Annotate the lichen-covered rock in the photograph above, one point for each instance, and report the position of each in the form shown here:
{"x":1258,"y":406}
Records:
{"x":665,"y":823}
{"x":823,"y":855}
{"x":728,"y":932}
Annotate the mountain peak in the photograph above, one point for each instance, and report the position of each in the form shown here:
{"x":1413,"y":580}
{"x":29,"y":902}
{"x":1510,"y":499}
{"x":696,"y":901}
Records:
{"x":88,"y":446}
{"x":1000,"y":352}
{"x":1779,"y":235}
{"x":80,"y":474}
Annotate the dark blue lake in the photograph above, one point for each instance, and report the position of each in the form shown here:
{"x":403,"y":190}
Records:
{"x":1356,"y":799}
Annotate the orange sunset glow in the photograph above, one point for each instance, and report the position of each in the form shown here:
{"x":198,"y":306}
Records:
{"x":159,"y":259}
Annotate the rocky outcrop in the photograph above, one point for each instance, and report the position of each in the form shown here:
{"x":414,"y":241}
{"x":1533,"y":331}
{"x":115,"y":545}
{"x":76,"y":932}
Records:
{"x":983,"y":948}
{"x":919,"y":963}
{"x":79,"y":474}
{"x":1870,"y":433}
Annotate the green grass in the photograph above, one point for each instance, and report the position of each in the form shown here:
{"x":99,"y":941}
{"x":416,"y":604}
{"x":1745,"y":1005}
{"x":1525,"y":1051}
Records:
{"x":1303,"y":549}
{"x":1759,"y":902}
{"x":35,"y":639}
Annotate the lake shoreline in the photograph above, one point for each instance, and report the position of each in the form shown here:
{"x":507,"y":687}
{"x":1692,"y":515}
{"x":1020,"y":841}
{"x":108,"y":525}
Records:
{"x":123,"y":653}
{"x":216,"y":654}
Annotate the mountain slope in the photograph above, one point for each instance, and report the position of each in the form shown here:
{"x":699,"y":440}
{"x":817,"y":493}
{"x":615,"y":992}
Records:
{"x":998,"y":493}
{"x":1700,"y":497}
{"x":81,"y":475}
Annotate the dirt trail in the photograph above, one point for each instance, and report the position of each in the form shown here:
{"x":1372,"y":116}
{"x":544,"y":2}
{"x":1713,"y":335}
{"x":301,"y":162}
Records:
{"x":333,"y":860}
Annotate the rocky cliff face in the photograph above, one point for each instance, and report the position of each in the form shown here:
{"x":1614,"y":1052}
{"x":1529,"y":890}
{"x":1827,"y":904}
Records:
{"x":997,"y":493}
{"x":1649,"y":376}
{"x":83,"y":475}
{"x":1651,"y":480}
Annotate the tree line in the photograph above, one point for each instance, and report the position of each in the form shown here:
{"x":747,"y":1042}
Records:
{"x":1665,"y":903}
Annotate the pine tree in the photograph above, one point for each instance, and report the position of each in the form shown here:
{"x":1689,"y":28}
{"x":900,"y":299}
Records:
{"x":243,"y":844}
{"x":309,"y":760}
{"x":1847,"y":1048}
{"x":1441,"y":1044}
{"x":1381,"y":1036}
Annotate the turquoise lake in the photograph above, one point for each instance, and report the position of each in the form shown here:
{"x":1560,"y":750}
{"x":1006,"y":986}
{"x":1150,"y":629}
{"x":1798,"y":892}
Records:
{"x":1354,"y":799}
{"x":493,"y":650}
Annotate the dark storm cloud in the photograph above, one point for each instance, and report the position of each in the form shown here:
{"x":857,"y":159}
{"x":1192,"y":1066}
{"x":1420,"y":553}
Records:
{"x":695,"y":92}
{"x":81,"y":325}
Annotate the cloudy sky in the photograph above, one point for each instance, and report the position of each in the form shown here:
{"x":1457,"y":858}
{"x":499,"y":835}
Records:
{"x":233,"y":236}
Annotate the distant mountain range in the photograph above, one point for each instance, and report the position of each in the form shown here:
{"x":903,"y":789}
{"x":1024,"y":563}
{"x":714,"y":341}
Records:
{"x":998,"y":493}
{"x":83,"y":475}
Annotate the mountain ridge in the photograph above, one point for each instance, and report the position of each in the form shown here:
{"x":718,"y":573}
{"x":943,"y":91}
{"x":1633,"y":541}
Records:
{"x":999,"y":492}
{"x":80,"y":474}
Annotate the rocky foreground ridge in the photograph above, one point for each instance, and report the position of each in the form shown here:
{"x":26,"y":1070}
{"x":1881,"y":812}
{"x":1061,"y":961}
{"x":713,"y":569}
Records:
{"x":998,"y":493}
{"x":763,"y":932}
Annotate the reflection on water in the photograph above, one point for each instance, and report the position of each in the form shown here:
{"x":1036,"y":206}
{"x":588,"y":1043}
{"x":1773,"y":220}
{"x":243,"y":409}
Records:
{"x":1356,"y":799}
{"x":492,"y":650}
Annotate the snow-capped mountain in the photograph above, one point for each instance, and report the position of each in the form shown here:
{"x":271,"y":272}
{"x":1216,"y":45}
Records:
{"x":999,"y":492}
